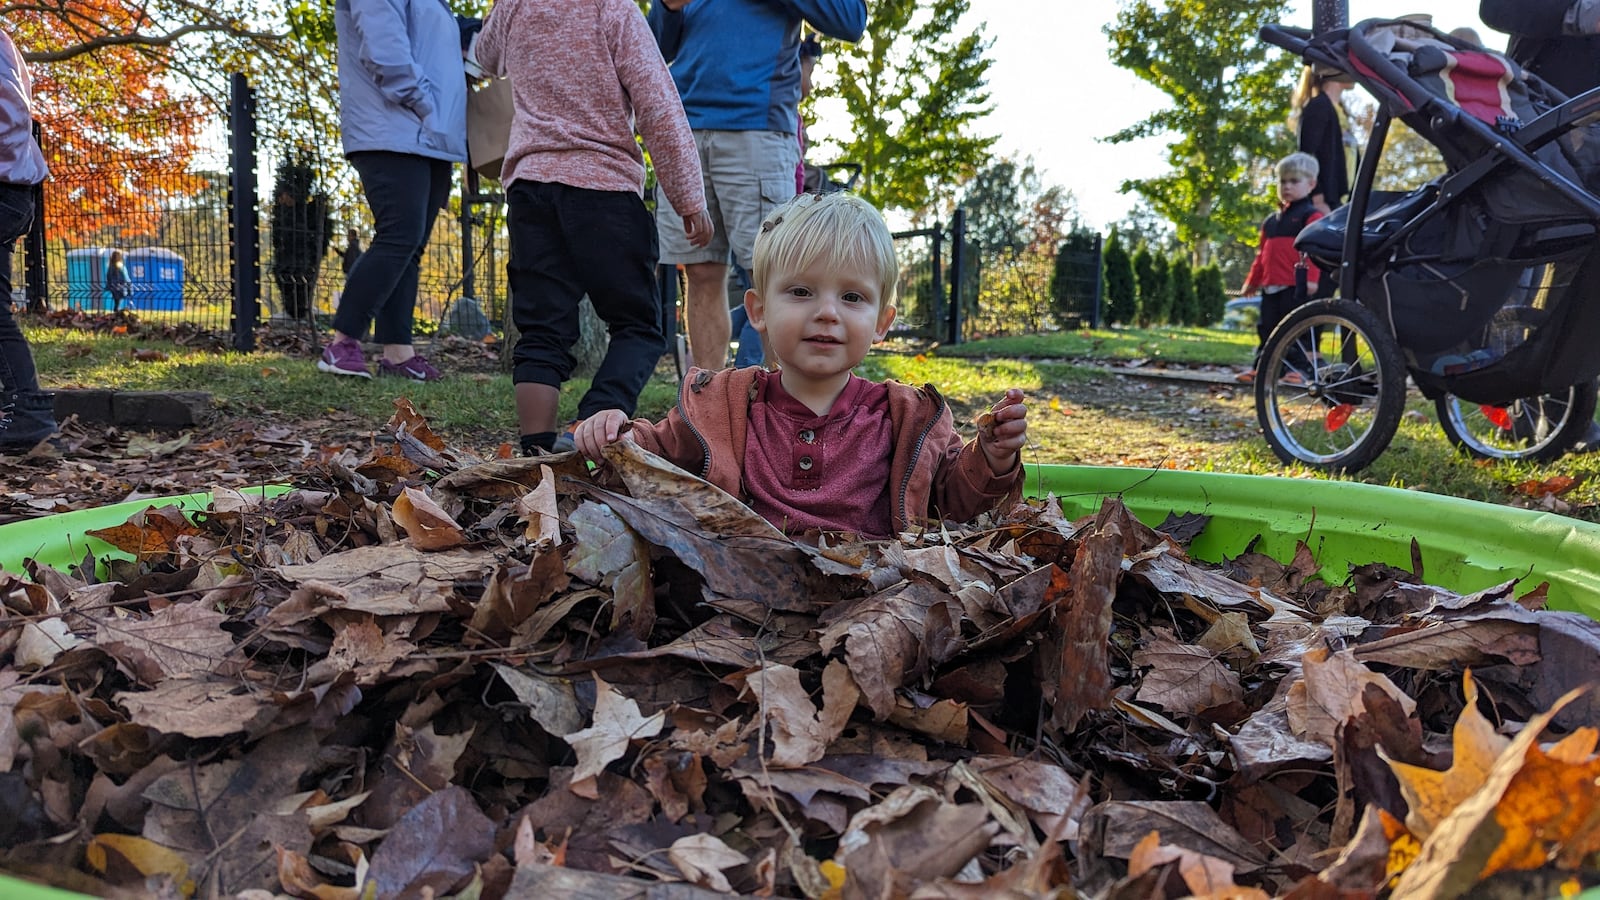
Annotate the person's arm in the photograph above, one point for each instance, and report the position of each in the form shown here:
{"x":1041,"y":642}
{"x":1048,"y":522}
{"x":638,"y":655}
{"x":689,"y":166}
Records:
{"x":659,"y":117}
{"x":842,"y":19}
{"x":666,"y":23}
{"x":1541,"y":18}
{"x":1258,"y":268}
{"x":385,"y":50}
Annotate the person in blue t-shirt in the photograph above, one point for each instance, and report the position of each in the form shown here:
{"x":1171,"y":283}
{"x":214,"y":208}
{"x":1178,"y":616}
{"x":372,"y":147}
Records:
{"x":737,"y":67}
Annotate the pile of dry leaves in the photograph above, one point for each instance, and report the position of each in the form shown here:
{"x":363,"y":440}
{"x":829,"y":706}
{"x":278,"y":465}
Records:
{"x":427,"y":674}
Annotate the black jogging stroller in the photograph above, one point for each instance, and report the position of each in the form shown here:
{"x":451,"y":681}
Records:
{"x":1476,"y":286}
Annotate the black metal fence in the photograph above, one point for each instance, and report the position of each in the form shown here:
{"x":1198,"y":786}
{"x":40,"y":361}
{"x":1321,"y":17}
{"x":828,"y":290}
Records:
{"x":934,"y":300}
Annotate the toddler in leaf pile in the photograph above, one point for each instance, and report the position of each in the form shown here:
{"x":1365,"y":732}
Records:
{"x":813,"y":446}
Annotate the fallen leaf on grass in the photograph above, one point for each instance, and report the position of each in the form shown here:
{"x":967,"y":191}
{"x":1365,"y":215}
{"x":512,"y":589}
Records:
{"x":1554,"y":485}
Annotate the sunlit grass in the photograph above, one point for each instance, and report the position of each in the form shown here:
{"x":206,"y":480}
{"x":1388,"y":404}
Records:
{"x":477,"y":408}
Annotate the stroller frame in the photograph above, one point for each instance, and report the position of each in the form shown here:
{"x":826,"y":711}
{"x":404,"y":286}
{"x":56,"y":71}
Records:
{"x":1343,"y":359}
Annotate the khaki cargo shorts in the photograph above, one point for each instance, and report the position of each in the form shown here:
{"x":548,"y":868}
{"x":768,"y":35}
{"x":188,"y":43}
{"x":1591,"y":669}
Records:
{"x":747,"y":175}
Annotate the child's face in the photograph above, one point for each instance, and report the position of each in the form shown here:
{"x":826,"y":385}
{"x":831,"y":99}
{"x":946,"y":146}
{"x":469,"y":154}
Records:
{"x":820,"y":322}
{"x":1294,"y":187}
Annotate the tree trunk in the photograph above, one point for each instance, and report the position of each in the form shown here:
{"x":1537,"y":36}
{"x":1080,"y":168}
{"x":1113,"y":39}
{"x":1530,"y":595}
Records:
{"x":589,"y":351}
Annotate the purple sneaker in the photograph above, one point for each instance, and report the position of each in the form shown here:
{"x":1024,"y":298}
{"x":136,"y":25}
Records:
{"x":417,"y":368}
{"x":344,"y":357}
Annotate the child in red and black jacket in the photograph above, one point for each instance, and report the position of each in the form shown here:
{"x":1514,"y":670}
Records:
{"x":1273,"y":271}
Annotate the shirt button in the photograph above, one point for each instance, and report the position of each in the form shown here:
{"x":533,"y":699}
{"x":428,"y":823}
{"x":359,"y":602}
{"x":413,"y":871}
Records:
{"x":805,"y":463}
{"x":807,"y":435}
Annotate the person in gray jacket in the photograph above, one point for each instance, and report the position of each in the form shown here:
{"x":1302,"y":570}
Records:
{"x":403,"y":112}
{"x":27,"y":414}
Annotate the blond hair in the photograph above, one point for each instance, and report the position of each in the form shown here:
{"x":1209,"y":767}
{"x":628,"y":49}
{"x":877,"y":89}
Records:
{"x":1299,"y":165}
{"x":827,"y":228}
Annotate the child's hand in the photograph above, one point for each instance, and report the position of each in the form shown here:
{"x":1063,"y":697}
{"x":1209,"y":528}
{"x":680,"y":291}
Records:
{"x":698,"y":228}
{"x":599,"y":430}
{"x":1002,"y":431}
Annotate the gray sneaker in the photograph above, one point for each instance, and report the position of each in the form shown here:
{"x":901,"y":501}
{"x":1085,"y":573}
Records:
{"x":344,"y":357}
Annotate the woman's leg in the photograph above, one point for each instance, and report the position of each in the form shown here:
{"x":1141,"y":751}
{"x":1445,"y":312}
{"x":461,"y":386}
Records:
{"x":382,"y":286}
{"x":27,"y":414}
{"x":394,"y":320}
{"x":16,"y":360}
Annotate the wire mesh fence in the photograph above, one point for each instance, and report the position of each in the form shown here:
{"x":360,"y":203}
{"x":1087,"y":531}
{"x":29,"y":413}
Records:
{"x":169,"y":221}
{"x":158,"y":218}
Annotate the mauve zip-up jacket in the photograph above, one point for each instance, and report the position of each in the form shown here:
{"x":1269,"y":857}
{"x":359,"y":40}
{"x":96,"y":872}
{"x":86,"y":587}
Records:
{"x":585,"y":74}
{"x":934,"y":474}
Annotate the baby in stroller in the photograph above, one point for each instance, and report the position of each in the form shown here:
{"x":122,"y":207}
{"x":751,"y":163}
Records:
{"x":1470,"y":284}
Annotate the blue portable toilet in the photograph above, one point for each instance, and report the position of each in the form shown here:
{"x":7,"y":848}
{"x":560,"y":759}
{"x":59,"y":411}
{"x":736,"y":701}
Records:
{"x":86,"y":279}
{"x":156,"y":276}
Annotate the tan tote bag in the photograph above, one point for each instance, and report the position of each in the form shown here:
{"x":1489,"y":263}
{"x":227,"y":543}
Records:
{"x":489,"y":111}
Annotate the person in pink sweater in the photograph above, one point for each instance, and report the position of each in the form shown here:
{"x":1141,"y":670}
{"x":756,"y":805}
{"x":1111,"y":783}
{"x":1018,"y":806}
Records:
{"x":813,"y":446}
{"x":584,"y":75}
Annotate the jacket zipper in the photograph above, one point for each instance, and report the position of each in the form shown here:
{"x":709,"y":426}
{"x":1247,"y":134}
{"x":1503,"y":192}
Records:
{"x":916,"y":451}
{"x":705,"y":448}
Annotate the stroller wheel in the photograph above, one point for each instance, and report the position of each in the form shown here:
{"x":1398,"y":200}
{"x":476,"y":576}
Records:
{"x":1331,"y":386}
{"x":1533,"y":428}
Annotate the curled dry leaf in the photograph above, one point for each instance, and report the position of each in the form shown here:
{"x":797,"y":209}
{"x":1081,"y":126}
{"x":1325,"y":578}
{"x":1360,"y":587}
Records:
{"x":425,"y":522}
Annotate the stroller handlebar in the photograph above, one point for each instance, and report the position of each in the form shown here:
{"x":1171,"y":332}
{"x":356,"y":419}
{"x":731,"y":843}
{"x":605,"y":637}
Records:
{"x":1288,"y":37}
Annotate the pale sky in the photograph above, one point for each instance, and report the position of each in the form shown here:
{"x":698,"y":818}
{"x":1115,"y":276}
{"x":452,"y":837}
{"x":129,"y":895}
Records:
{"x":1055,"y":90}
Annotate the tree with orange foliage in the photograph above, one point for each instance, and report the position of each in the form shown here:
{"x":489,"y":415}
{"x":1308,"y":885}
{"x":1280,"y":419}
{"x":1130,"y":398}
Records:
{"x":123,"y":92}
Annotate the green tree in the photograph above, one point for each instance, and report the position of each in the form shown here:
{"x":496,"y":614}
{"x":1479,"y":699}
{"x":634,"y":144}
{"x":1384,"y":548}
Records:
{"x":1156,"y":297}
{"x":1122,"y":299}
{"x":1211,"y":296}
{"x":1075,"y":284}
{"x":1181,"y":280}
{"x":1144,"y":227}
{"x":914,"y":91}
{"x":1228,"y":91}
{"x":1144,"y":274}
{"x":997,"y":201}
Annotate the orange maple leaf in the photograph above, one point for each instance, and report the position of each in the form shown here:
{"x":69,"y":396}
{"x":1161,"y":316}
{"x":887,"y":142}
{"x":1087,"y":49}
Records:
{"x":1529,"y":809}
{"x":1551,"y":809}
{"x":1431,"y":794}
{"x":151,"y":532}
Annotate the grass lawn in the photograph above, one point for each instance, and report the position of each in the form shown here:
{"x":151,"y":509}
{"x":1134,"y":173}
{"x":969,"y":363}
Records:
{"x":1079,"y":414}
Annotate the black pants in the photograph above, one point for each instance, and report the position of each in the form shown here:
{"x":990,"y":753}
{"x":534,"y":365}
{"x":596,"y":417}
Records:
{"x":16,"y":360}
{"x":1275,"y":307}
{"x":567,"y":242}
{"x":405,"y":193}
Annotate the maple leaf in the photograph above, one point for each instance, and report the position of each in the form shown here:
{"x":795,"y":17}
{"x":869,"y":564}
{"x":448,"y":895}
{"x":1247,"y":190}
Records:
{"x":617,"y":721}
{"x":1431,"y":794}
{"x":1531,"y":808}
{"x":153,"y":532}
